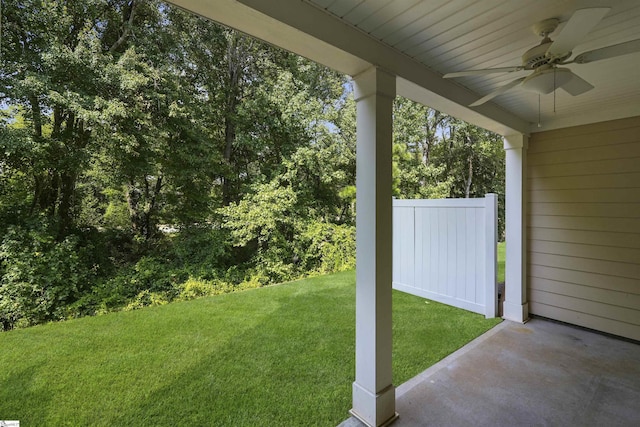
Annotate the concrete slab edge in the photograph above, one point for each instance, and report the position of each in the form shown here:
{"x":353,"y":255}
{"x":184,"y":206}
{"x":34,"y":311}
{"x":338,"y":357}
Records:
{"x":421,"y":377}
{"x":413,"y":382}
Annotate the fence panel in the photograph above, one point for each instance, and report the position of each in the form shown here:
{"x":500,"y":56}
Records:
{"x":445,"y":250}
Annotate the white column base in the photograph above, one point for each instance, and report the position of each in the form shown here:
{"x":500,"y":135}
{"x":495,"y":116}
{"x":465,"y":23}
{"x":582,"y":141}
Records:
{"x":515,"y":312}
{"x":374,"y":409}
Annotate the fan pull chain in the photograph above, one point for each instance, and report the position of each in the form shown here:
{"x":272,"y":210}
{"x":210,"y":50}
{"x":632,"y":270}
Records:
{"x":539,"y":124}
{"x":554,"y":91}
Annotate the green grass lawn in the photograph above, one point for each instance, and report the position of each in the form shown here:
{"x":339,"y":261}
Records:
{"x":275,"y":356}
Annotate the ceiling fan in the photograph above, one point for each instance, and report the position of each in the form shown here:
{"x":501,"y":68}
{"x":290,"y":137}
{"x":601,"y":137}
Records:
{"x":545,"y":59}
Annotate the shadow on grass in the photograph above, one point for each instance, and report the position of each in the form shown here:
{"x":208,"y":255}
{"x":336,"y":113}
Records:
{"x":295,"y":366}
{"x":22,"y":386}
{"x":260,"y":379}
{"x":270,"y":356}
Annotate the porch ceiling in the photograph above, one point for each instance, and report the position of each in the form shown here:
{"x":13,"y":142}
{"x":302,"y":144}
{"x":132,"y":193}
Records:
{"x":456,"y":35}
{"x":419,"y":40}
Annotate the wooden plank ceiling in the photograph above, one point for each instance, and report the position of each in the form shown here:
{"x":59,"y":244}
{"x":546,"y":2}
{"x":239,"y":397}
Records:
{"x":456,"y":35}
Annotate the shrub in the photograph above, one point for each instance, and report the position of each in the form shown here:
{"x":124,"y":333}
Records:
{"x":147,"y":298}
{"x":197,"y":288}
{"x":329,"y":247}
{"x":202,"y":251}
{"x":41,"y":276}
{"x":274,"y":265}
{"x":133,"y":286}
{"x":106,"y":296}
{"x":156,"y":275}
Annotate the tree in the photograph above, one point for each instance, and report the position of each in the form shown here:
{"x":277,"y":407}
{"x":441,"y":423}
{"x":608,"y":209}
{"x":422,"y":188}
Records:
{"x":438,"y":156}
{"x":60,"y":70}
{"x":119,"y":116}
{"x":415,"y":137}
{"x":473,"y":157}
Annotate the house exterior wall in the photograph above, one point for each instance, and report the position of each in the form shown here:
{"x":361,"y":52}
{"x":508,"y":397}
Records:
{"x":584,"y":226}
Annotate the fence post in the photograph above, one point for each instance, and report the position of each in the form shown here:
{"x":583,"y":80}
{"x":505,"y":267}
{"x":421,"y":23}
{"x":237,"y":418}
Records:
{"x":491,"y":255}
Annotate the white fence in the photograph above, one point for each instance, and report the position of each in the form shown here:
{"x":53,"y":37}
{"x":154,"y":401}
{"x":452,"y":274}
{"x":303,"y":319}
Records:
{"x":445,"y":250}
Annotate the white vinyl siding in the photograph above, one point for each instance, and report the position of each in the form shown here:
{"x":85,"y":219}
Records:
{"x":584,"y":226}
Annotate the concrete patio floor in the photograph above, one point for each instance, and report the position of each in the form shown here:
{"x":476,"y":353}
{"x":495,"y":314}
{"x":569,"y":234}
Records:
{"x":541,"y":373}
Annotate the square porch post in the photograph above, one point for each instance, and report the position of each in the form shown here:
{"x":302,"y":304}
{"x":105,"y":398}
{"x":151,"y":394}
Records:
{"x":373,"y":391}
{"x":515,"y":306}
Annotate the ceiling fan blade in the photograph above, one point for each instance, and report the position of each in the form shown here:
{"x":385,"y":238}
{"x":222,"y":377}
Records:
{"x":576,"y":85}
{"x":579,"y":25}
{"x":483,"y":72}
{"x":500,"y":90}
{"x":625,"y":48}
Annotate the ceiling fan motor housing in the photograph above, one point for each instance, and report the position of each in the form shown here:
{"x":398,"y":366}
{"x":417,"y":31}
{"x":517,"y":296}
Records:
{"x":536,"y":56}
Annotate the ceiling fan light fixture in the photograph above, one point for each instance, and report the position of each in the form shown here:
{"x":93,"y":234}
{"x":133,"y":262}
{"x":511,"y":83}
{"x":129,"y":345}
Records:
{"x":547,"y":80}
{"x":545,"y":58}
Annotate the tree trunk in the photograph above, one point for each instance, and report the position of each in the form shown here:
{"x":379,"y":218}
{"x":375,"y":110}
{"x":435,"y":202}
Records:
{"x":128,"y":15}
{"x":431,"y":129}
{"x":133,"y":200}
{"x":469,"y":142}
{"x":37,"y":116}
{"x":469,"y":180}
{"x":64,"y":214}
{"x":235,"y":58}
{"x":143,"y":207}
{"x":75,"y":141}
{"x":150,"y":211}
{"x":45,"y":192}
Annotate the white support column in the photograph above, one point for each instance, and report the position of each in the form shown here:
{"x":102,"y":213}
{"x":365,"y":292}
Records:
{"x":515,"y":306}
{"x":373,"y":391}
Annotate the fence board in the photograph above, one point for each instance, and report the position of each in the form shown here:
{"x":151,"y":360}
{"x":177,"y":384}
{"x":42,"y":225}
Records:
{"x":445,"y":250}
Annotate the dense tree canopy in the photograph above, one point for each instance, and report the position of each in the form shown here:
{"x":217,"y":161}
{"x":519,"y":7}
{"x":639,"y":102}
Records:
{"x":147,"y":154}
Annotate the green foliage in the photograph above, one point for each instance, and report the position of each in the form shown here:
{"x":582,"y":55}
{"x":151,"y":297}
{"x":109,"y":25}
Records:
{"x":501,"y":261}
{"x":156,"y":148}
{"x":154,"y":274}
{"x":415,"y":136}
{"x":288,"y":242}
{"x":146,"y":282}
{"x":264,"y":216}
{"x":329,"y":247}
{"x":438,"y":156}
{"x":201,"y":250}
{"x":415,"y":180}
{"x":116,"y":215}
{"x":194,"y":288}
{"x":42,"y":276}
{"x":147,"y":298}
{"x":198,"y":288}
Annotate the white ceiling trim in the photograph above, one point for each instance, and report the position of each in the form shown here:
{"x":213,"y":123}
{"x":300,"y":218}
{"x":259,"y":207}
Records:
{"x":601,"y":115}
